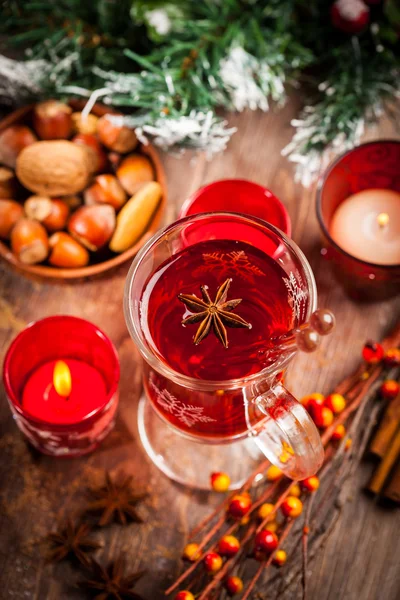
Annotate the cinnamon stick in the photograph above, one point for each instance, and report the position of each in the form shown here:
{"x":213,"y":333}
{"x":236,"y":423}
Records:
{"x":392,"y":492}
{"x":387,"y":429}
{"x":382,"y":472}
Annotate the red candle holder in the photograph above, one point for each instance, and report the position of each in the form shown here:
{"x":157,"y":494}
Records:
{"x":369,"y":166}
{"x":56,"y":425}
{"x":238,"y":196}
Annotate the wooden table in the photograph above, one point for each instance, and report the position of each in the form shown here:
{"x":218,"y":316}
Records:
{"x":360,"y":561}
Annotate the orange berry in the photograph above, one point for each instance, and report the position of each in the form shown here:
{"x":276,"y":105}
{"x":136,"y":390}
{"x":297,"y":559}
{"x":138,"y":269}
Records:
{"x":319,"y":398}
{"x":279,"y":558}
{"x":322,"y":416}
{"x":348,"y":444}
{"x":239,"y":506}
{"x":292,"y":507}
{"x":191,"y":552}
{"x":212,"y":562}
{"x":339,"y":433}
{"x":265,"y":510}
{"x":389,"y":389}
{"x":273,"y":473}
{"x":220,"y":482}
{"x":310,"y":484}
{"x":335,"y":402}
{"x":184,"y":595}
{"x":234,"y":585}
{"x":295,"y":490}
{"x":392,"y":357}
{"x":272,"y":526}
{"x":228,"y":545}
{"x":316,"y":397}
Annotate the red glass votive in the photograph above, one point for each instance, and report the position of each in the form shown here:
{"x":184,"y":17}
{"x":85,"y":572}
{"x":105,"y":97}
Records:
{"x":374,"y":165}
{"x":56,"y":425}
{"x":238,"y":196}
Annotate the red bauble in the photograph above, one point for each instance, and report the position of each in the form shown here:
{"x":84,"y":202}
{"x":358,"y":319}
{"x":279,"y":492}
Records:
{"x":350,"y":16}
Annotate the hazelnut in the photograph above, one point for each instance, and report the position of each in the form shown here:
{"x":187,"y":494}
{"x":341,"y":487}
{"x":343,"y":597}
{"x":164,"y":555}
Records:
{"x":116,"y":137}
{"x":134,"y":171}
{"x":53,"y":214}
{"x":93,"y":226}
{"x":106,"y":189}
{"x":86,"y":125}
{"x":52,"y":120}
{"x":67,"y":252}
{"x":29,"y":241}
{"x":12,"y":140}
{"x":10,"y":213}
{"x":93,"y":145}
{"x":8,"y":183}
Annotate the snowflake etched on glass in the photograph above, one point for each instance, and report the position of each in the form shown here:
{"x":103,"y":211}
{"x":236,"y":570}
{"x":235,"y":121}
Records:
{"x":297,"y":296}
{"x":235,"y":264}
{"x":187,"y":414}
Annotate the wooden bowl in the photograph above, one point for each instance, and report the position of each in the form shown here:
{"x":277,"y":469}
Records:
{"x":23,"y":115}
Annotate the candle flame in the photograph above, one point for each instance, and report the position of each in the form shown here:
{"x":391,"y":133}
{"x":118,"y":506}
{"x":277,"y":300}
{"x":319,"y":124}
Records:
{"x":62,"y":379}
{"x":383,"y":219}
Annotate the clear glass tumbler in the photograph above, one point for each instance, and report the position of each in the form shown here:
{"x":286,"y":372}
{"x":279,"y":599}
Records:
{"x":192,"y":427}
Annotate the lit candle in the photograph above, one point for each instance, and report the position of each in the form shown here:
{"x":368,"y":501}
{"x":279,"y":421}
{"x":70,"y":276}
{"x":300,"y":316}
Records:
{"x":367,"y":226}
{"x":61,"y":380}
{"x":64,"y":391}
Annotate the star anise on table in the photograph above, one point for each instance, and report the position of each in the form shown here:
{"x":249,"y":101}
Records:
{"x":110,"y":583}
{"x":213,"y":314}
{"x":71,"y":540}
{"x":115,"y":500}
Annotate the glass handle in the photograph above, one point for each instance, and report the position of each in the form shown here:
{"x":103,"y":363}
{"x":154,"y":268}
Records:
{"x":289,"y":438}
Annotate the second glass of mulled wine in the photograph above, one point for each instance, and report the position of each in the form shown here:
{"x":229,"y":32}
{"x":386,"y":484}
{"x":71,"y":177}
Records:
{"x":213,"y":303}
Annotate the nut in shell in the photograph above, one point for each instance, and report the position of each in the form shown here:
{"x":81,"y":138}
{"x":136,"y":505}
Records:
{"x":29,"y":241}
{"x":114,"y":136}
{"x":93,"y":226}
{"x":8,"y":183}
{"x":86,"y":124}
{"x":106,"y":189}
{"x":52,"y":120}
{"x":54,"y":168}
{"x":10,"y":213}
{"x":67,"y":252}
{"x":134,"y":171}
{"x":13,"y":140}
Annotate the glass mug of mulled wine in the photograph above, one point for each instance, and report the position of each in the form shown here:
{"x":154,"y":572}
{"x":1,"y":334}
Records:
{"x":218,"y":304}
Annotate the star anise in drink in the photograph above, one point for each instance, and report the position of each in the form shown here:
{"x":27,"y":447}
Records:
{"x":71,"y":540}
{"x":212,"y":314}
{"x":110,"y":583}
{"x":115,"y":500}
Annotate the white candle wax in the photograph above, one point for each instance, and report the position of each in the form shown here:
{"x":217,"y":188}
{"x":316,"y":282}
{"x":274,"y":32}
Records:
{"x":367,"y":226}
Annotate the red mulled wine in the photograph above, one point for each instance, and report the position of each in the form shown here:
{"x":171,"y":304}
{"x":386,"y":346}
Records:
{"x":256,"y":279}
{"x":262,"y":286}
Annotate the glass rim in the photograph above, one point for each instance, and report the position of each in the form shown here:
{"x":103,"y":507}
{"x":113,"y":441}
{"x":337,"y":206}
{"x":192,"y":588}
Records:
{"x":318,"y":205}
{"x":10,"y":392}
{"x":185,"y":380}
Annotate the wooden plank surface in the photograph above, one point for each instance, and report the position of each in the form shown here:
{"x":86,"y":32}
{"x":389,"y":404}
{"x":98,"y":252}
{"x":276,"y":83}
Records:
{"x":360,"y":561}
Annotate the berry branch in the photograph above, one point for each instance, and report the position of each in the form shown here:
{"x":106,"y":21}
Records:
{"x":296,"y":511}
